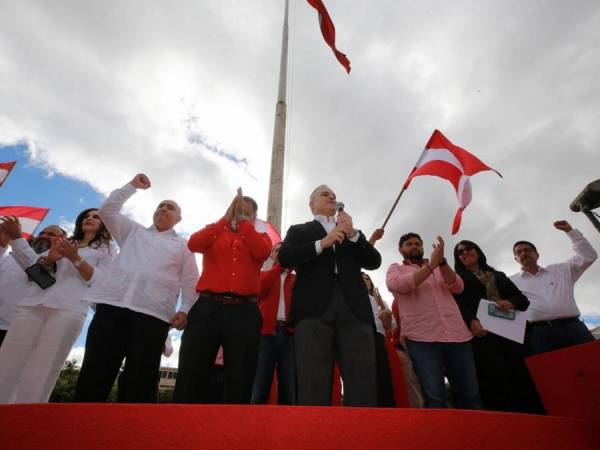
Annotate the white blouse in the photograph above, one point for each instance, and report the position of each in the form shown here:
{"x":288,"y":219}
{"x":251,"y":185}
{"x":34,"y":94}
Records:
{"x":70,"y":288}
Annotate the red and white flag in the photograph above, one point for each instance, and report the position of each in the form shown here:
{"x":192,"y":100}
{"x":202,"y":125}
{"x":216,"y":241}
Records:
{"x":441,"y":158}
{"x":262,"y":226}
{"x":29,"y":217}
{"x":5,"y":168}
{"x":328,"y":32}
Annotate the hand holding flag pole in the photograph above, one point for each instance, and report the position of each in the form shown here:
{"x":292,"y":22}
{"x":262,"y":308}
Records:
{"x":443,"y":159}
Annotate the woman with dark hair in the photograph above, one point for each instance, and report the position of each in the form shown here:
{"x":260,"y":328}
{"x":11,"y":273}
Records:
{"x":383,"y":322}
{"x":49,"y":319}
{"x":504,"y":381}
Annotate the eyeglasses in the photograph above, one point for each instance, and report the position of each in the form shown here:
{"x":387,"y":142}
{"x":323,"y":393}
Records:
{"x":463,"y":250}
{"x":520,"y":251}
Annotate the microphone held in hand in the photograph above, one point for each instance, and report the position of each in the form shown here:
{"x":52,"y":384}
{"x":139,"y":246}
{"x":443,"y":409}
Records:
{"x":339,"y":206}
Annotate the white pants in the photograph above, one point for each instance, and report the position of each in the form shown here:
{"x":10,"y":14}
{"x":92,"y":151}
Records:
{"x":34,"y":350}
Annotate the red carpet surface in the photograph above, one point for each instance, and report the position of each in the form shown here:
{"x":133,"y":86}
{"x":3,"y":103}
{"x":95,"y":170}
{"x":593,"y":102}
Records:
{"x":568,"y":380}
{"x":112,"y":426}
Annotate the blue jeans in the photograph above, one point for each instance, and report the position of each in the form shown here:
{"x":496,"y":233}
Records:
{"x":541,"y":339}
{"x":276,"y":352}
{"x":433,"y":360}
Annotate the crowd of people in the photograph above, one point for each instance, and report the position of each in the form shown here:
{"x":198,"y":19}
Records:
{"x":304,"y":310}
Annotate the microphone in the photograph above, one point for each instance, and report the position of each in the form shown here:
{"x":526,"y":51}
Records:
{"x":339,"y":206}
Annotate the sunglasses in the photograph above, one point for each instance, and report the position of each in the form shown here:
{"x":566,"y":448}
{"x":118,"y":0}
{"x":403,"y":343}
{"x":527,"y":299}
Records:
{"x":464,"y":249}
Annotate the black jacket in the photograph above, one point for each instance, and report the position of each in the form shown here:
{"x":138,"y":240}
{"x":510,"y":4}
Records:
{"x":468,"y":300}
{"x":315,"y":274}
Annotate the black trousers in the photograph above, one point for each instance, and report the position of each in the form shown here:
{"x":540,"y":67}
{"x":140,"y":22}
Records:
{"x":385,"y":389}
{"x":211,"y":325}
{"x":2,"y":335}
{"x":116,"y":334}
{"x":504,"y":380}
{"x":336,"y":335}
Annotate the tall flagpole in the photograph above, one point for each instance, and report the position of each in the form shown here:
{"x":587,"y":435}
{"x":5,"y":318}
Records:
{"x":275,"y":202}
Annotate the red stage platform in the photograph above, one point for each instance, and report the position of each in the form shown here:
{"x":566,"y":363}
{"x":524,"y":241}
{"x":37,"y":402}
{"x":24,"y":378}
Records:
{"x":112,"y":426}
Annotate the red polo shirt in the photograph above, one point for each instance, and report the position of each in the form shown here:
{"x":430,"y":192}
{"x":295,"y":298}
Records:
{"x":270,"y":292}
{"x":231,"y":260}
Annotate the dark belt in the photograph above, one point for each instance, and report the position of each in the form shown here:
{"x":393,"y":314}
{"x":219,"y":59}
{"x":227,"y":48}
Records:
{"x":552,"y":323}
{"x":281,"y":324}
{"x":229,"y":299}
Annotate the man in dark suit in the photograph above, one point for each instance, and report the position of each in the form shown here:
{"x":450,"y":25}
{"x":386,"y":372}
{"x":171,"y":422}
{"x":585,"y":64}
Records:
{"x":331,"y":310}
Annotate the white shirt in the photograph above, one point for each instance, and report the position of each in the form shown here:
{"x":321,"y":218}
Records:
{"x":70,"y":288}
{"x":13,"y":285}
{"x":152,"y":268}
{"x":550,"y":291}
{"x":281,"y":308}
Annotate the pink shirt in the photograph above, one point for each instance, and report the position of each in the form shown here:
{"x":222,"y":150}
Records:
{"x":428,"y":312}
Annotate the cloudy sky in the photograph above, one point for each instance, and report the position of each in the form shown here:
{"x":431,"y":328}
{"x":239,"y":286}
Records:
{"x":185,"y":91}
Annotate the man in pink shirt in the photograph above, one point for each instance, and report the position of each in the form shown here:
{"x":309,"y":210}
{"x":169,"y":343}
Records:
{"x":436,"y":336}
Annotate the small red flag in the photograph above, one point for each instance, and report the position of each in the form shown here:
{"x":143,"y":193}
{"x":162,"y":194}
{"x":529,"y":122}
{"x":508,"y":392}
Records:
{"x":29,"y":217}
{"x":328,"y":31}
{"x":441,"y":158}
{"x":5,"y":168}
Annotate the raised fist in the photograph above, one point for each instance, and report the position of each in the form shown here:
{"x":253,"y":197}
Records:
{"x":141,"y":181}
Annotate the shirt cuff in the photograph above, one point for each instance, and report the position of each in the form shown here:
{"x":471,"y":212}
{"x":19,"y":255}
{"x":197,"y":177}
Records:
{"x":355,"y":237}
{"x":129,"y":189}
{"x":318,"y":247}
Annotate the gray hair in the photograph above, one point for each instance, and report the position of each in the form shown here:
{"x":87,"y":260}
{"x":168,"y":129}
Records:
{"x":313,"y":194}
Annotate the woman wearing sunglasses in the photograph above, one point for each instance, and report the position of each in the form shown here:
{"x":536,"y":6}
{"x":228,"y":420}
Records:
{"x":504,"y":381}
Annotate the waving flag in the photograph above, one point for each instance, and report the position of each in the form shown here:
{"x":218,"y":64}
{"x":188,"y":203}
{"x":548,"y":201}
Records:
{"x":29,"y":217}
{"x":5,"y":168}
{"x":441,"y":158}
{"x":262,"y":226}
{"x":328,"y":31}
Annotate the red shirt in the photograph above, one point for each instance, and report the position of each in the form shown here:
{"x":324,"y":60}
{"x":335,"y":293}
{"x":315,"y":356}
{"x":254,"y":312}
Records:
{"x":270,"y":292}
{"x":231,"y":260}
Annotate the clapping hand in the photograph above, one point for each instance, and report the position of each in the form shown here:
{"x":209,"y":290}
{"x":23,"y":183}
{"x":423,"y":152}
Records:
{"x":437,"y":254}
{"x":67,"y":249}
{"x":11,"y":227}
{"x":232,"y":211}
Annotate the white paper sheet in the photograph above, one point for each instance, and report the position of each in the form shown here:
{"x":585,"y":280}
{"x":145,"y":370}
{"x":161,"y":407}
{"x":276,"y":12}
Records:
{"x":510,"y":329}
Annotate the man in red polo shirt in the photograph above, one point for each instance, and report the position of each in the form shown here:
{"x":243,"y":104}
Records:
{"x":226,"y":312}
{"x":277,"y":338}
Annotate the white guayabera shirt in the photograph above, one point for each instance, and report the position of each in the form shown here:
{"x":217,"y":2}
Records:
{"x":550,"y":290}
{"x":151,"y":269}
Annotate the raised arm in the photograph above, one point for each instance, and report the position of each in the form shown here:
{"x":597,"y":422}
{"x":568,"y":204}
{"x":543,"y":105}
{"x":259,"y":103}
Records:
{"x":585,"y":254}
{"x":110,"y":212}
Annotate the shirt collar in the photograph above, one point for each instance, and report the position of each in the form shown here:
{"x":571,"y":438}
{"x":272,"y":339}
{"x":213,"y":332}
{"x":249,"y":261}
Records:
{"x":325,"y":219}
{"x":408,"y":262}
{"x":170,"y":231}
{"x":528,"y":274}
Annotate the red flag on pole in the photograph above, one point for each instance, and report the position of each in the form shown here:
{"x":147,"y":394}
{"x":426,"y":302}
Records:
{"x":441,"y":158}
{"x":29,"y":217}
{"x":328,"y":31}
{"x":5,"y":168}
